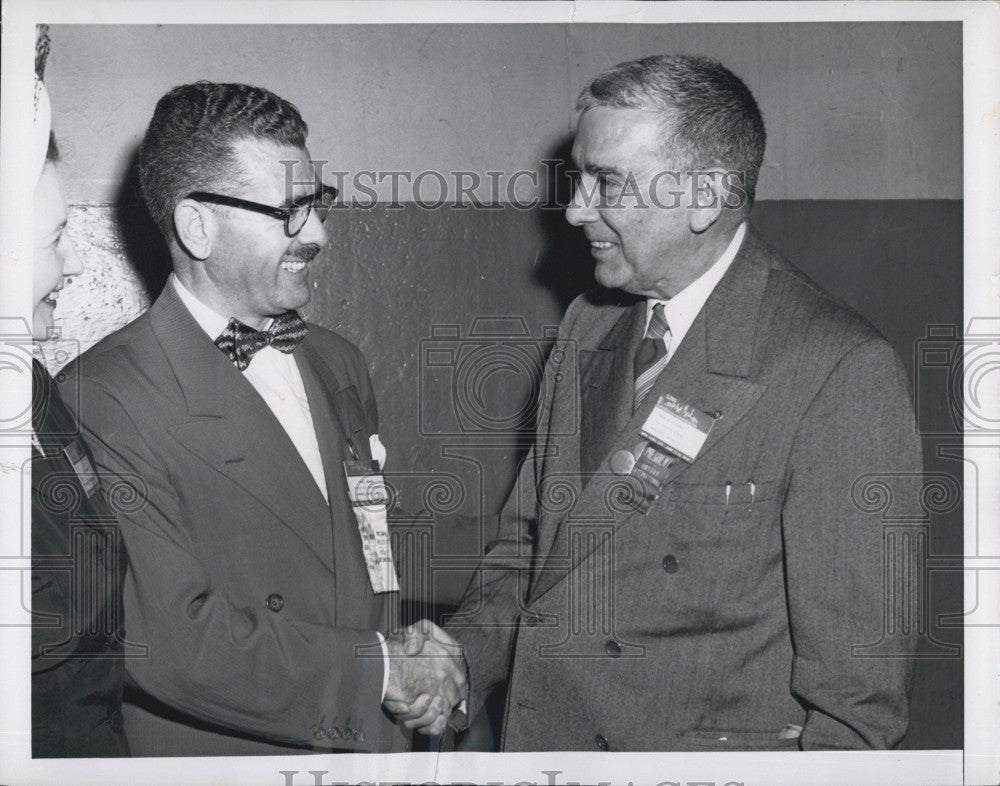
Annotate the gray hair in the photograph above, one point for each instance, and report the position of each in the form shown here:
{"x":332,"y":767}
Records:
{"x":709,"y":116}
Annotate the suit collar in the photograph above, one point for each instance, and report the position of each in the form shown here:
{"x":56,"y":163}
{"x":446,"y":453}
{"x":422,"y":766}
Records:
{"x":202,"y":371}
{"x":731,"y":313}
{"x":232,"y":428}
{"x":606,"y":384}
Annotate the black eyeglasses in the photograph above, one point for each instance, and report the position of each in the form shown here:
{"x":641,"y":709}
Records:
{"x":294,"y":216}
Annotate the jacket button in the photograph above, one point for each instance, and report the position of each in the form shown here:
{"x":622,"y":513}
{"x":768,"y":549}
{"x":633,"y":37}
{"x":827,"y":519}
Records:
{"x":614,"y":649}
{"x":601,"y":742}
{"x":670,"y":563}
{"x":532,"y":620}
{"x":275,"y":602}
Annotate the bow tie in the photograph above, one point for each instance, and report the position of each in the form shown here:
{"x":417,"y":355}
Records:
{"x":241,"y":342}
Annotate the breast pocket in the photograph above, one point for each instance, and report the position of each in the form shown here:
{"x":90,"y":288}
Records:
{"x":721,"y":513}
{"x":726,"y":542}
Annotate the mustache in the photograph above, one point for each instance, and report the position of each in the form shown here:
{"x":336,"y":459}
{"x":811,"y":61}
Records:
{"x":305,"y":253}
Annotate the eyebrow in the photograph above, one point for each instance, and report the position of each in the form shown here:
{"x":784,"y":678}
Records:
{"x":596,"y":169}
{"x":321,"y":189}
{"x":55,"y":233}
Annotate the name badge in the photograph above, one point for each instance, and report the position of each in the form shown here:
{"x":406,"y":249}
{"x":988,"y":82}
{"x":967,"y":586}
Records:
{"x":369,"y":496}
{"x":77,"y":458}
{"x":678,"y":427}
{"x":652,"y":467}
{"x":673,"y":431}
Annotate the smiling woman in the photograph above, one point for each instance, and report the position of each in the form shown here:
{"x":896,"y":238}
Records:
{"x":77,"y":561}
{"x":54,"y":255}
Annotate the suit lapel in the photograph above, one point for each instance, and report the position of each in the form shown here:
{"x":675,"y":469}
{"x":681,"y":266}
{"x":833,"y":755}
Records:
{"x":232,"y":429}
{"x":606,"y":387}
{"x":713,"y":369}
{"x":322,"y":386}
{"x":339,"y":420}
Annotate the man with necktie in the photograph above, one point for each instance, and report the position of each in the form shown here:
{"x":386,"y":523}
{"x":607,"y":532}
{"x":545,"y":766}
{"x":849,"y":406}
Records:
{"x":266,"y":613}
{"x":681,"y":564}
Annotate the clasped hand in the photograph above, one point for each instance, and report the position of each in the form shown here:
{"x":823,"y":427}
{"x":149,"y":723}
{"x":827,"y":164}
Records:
{"x":426,"y":677}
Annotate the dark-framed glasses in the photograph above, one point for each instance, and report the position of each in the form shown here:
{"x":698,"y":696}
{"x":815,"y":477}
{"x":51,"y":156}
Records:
{"x":294,"y":216}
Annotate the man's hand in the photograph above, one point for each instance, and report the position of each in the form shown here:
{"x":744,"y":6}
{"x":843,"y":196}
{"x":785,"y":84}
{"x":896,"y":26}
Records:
{"x":426,"y":677}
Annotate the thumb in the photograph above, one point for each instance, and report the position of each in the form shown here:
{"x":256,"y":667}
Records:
{"x":413,"y":642}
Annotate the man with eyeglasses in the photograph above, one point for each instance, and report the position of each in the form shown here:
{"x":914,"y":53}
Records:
{"x":254,"y":578}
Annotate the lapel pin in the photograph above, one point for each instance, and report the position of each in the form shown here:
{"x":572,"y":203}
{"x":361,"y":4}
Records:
{"x":622,"y":462}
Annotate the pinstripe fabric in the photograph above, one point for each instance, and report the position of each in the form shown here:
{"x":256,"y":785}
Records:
{"x":652,"y":355}
{"x":702,"y":625}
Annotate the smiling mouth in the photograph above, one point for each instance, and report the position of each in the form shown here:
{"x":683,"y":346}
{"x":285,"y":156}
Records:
{"x":294,"y":265}
{"x":600,"y":245}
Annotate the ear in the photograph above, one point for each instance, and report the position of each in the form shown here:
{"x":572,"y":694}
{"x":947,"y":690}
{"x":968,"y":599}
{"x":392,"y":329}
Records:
{"x":707,"y":194}
{"x":196,"y":227}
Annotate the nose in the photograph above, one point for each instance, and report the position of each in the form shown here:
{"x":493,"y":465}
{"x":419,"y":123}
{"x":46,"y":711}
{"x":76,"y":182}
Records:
{"x":72,"y":264}
{"x":580,"y":209}
{"x":313,"y":231}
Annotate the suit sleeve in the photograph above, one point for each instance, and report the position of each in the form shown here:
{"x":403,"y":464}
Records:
{"x":859,"y":426}
{"x":486,"y":621}
{"x":50,"y":586}
{"x":205,"y":652}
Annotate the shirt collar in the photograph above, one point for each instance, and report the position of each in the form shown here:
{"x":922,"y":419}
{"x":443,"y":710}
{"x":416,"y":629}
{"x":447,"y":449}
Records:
{"x":209,"y":320}
{"x":683,"y":307}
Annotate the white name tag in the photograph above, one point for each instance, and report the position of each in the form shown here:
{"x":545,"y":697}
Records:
{"x":678,"y":427}
{"x":369,"y":496}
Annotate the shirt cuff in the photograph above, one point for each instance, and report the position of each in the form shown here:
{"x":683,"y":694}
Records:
{"x":385,"y":663}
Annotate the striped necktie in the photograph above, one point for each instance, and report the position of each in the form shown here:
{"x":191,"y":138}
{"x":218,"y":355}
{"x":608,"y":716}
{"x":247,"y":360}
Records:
{"x":651,"y":356}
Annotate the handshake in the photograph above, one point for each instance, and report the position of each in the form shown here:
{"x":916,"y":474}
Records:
{"x":426,"y":677}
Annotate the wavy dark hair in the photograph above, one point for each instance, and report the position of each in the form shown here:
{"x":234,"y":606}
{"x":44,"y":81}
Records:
{"x":190,"y":142}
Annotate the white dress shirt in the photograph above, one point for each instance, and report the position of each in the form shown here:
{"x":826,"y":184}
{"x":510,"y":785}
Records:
{"x":683,"y":307}
{"x":276,"y":377}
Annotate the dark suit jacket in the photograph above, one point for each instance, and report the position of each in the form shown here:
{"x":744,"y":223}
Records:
{"x":248,"y":588}
{"x":730,"y":610}
{"x":78,"y":569}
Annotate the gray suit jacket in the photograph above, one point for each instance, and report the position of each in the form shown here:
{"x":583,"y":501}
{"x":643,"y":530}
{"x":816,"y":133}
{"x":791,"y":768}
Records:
{"x":249,"y":589}
{"x":729,"y":611}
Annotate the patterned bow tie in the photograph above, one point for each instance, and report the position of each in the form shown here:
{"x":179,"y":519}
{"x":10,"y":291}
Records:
{"x":241,"y":342}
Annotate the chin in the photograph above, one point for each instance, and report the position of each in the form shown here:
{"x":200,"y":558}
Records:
{"x":41,"y":322}
{"x":609,"y":280}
